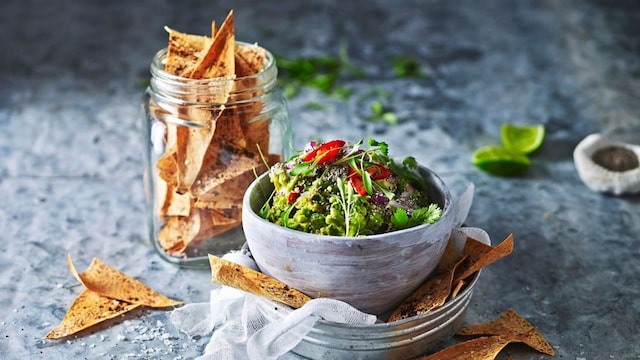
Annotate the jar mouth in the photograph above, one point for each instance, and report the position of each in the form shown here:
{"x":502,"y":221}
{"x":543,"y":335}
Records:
{"x":158,"y":63}
{"x":181,"y":90}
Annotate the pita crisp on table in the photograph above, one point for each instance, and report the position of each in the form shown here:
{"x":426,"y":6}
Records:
{"x":206,"y":168}
{"x":512,"y":325}
{"x":495,"y":335}
{"x":108,"y":293}
{"x":451,"y":275}
{"x":482,"y":348}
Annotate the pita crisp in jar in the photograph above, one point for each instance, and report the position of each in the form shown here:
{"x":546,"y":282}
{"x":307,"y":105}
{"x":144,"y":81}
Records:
{"x":214,"y":121}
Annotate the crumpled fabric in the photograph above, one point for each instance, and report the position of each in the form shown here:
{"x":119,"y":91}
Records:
{"x":246,"y":326}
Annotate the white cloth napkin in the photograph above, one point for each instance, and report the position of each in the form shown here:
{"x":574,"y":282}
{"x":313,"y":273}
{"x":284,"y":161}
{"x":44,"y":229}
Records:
{"x":245,"y":326}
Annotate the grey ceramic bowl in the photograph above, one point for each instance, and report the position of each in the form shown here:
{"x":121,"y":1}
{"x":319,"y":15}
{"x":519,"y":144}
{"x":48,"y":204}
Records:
{"x":372,"y":273}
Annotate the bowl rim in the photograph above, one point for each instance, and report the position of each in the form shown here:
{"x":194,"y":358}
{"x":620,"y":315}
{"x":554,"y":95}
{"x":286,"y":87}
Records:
{"x":441,"y":186}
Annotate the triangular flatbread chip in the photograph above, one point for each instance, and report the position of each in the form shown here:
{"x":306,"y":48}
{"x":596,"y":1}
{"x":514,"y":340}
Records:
{"x":225,"y":196}
{"x":254,"y":136}
{"x":482,"y":348}
{"x":484,"y":256}
{"x":218,"y":62}
{"x":173,"y":204}
{"x":449,"y":258}
{"x":249,"y":61}
{"x":430,"y":295}
{"x":228,"y":130}
{"x":183,"y":52}
{"x":513,"y":325}
{"x":87,"y":310}
{"x":109,"y":282}
{"x":192,"y":145}
{"x":216,"y":138}
{"x":213,"y":223}
{"x":232,"y":164}
{"x":108,"y":293}
{"x":252,"y":59}
{"x":178,"y":232}
{"x":234,"y":275}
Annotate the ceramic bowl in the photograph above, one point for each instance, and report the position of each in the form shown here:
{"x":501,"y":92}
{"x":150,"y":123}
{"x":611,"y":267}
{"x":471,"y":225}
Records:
{"x":372,"y":273}
{"x":597,"y":177}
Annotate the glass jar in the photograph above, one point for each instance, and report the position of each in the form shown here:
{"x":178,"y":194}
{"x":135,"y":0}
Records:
{"x":206,"y":140}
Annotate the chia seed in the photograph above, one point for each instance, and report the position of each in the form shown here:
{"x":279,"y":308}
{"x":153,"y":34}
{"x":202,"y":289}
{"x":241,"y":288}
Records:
{"x":616,"y":158}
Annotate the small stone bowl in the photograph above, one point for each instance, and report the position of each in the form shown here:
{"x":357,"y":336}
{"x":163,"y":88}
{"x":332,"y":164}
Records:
{"x":373,"y":273}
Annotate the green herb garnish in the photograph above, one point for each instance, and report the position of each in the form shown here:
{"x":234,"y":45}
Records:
{"x":405,"y":66}
{"x":338,"y":188}
{"x":425,"y":215}
{"x":380,"y":113}
{"x":323,"y":73}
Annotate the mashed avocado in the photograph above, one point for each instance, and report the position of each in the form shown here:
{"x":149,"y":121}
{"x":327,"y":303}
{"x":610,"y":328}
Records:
{"x":342,"y":189}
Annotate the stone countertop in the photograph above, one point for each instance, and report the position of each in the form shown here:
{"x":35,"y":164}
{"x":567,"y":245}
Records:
{"x":71,"y":76}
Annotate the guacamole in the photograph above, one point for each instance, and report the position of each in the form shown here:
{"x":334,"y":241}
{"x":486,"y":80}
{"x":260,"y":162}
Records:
{"x":342,"y":189}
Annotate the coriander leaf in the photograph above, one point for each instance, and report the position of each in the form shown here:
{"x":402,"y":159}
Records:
{"x":400,"y":219}
{"x":410,"y":162}
{"x":381,"y":145}
{"x":425,"y":215}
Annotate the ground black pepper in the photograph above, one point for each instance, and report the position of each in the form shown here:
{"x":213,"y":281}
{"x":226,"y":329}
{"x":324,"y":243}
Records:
{"x":616,"y":158}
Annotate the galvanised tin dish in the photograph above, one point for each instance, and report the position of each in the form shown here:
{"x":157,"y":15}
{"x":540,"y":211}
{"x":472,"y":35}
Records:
{"x":403,"y":339}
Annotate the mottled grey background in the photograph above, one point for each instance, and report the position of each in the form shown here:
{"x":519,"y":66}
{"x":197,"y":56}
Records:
{"x":71,"y":77}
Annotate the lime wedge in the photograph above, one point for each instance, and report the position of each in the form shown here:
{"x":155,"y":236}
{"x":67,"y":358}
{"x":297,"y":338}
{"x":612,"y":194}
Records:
{"x":525,"y":139}
{"x":499,"y":160}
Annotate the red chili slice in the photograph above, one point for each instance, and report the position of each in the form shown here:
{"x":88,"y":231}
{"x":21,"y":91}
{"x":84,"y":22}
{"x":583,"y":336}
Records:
{"x":378,"y":172}
{"x":292,"y":197}
{"x":326,"y":152}
{"x":356,"y":181}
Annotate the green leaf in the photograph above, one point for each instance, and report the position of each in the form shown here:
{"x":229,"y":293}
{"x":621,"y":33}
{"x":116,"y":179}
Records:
{"x":376,"y":108}
{"x":381,"y":113}
{"x":381,"y":145}
{"x":390,"y":118}
{"x":425,"y":215}
{"x":314,"y":106}
{"x":322,"y":73}
{"x":286,"y":216}
{"x":410,"y":162}
{"x":389,"y":194}
{"x":400,"y":219}
{"x":366,"y":180}
{"x":304,"y":169}
{"x":405,"y":66}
